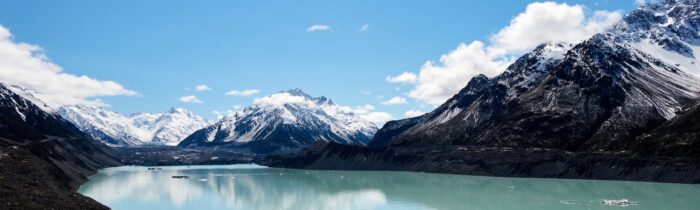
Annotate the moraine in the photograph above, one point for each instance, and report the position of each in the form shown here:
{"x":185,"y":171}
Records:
{"x":258,"y":187}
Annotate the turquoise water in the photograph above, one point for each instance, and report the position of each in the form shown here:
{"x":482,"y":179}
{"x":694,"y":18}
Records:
{"x":256,"y":187}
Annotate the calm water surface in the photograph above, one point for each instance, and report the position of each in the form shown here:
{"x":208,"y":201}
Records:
{"x":256,"y":187}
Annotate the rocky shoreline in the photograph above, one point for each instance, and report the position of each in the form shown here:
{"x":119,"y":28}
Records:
{"x":28,"y":181}
{"x":497,"y":161}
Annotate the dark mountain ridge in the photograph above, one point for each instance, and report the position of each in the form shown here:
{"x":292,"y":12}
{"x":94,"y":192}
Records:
{"x":44,"y":157}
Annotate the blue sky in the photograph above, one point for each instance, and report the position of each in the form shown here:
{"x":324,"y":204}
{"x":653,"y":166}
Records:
{"x":163,"y":49}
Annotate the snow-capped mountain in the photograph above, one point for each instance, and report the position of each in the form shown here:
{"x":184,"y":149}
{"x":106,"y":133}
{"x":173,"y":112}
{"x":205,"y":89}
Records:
{"x":170,"y":127}
{"x":41,"y":141}
{"x":120,"y":130}
{"x":285,"y":120}
{"x":26,"y":118}
{"x":595,"y":95}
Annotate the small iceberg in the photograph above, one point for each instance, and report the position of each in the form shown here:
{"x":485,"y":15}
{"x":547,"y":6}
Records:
{"x":621,"y":202}
{"x":202,"y":180}
{"x":568,"y":202}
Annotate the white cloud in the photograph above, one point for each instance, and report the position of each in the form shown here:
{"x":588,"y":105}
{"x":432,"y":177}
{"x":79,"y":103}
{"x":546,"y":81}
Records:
{"x":27,"y":66}
{"x":202,"y":88}
{"x":406,"y":78}
{"x":363,"y":109}
{"x":439,"y":81}
{"x":540,"y":23}
{"x":280,"y":99}
{"x":377,"y":117}
{"x":314,"y":28}
{"x":413,"y":113}
{"x":219,"y":114}
{"x":544,"y":22}
{"x":222,"y":114}
{"x":640,"y":2}
{"x":395,"y":101}
{"x":364,"y":28}
{"x":191,"y":99}
{"x":242,"y":92}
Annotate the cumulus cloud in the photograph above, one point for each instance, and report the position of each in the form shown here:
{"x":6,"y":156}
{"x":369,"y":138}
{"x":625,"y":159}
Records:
{"x":364,"y":28}
{"x":439,"y":81}
{"x":227,"y":112}
{"x":413,"y":113}
{"x":541,"y":22}
{"x":363,"y":109}
{"x":202,"y":88}
{"x":314,"y":28}
{"x":406,"y":78}
{"x":191,"y":99}
{"x":395,"y":101}
{"x":242,"y":92}
{"x":26,"y":65}
{"x":544,"y":22}
{"x":280,"y":99}
{"x":377,"y":117}
{"x":220,"y":114}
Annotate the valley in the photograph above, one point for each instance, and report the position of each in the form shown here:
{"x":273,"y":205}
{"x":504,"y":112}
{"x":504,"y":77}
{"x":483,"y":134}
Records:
{"x":610,"y":119}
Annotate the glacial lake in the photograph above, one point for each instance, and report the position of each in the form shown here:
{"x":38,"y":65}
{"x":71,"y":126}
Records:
{"x":253,"y":187}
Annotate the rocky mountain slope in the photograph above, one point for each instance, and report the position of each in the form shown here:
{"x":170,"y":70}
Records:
{"x":679,"y":136}
{"x":285,"y":121}
{"x":141,"y":128}
{"x":43,"y":157}
{"x":596,"y":100}
{"x":598,"y":95}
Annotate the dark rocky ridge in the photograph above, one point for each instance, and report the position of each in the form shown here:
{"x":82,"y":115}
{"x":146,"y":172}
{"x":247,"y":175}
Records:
{"x":497,"y":161}
{"x":679,"y":136}
{"x":44,"y":158}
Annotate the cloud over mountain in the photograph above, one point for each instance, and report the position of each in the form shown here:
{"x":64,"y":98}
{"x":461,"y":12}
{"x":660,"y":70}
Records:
{"x":541,"y":22}
{"x":26,"y":65}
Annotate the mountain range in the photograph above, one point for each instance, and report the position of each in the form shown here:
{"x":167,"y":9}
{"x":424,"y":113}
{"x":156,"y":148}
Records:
{"x":284,"y":122}
{"x":116,"y":129}
{"x":619,"y":105}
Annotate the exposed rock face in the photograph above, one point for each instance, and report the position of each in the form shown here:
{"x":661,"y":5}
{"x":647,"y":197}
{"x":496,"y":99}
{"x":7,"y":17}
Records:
{"x":43,"y":157}
{"x":284,"y":122}
{"x":679,"y":136}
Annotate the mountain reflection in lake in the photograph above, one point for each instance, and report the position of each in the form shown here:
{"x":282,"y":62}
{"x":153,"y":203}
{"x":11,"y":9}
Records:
{"x":257,"y":187}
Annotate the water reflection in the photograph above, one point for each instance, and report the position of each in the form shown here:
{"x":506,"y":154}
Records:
{"x":254,"y":187}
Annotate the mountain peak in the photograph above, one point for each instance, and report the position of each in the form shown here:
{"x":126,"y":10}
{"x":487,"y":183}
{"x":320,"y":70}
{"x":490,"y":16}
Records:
{"x":674,"y":25}
{"x":288,"y":119}
{"x":299,"y":92}
{"x":174,"y":110}
{"x":295,"y":92}
{"x":323,"y":100}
